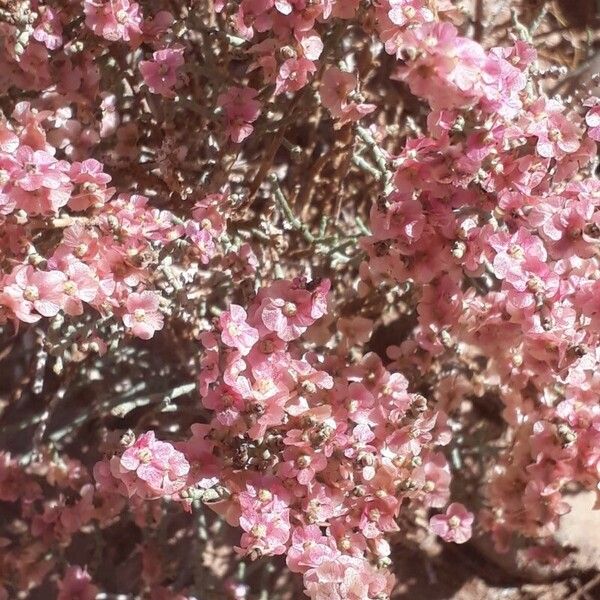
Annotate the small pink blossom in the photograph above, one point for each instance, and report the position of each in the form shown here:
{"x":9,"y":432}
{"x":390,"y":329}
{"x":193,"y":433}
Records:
{"x":289,"y":309}
{"x":76,"y":583}
{"x":453,"y":526}
{"x":152,"y":468}
{"x":557,"y":135}
{"x":92,"y":181}
{"x":336,"y":88}
{"x":592,"y":118}
{"x":113,"y":19}
{"x":309,"y":548}
{"x":32,"y":290}
{"x":235,"y":330}
{"x":34,"y":169}
{"x":142,"y":315}
{"x":293,"y":75}
{"x":49,"y":29}
{"x":266,"y":532}
{"x":241,"y":109}
{"x":160,"y":74}
{"x":80,"y":287}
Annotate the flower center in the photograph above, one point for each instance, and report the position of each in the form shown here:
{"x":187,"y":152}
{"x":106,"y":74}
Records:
{"x":290,"y":309}
{"x":121,"y":16}
{"x":139,"y":315}
{"x":259,"y":531}
{"x":70,"y":288}
{"x":454,"y":522}
{"x":535,"y":284}
{"x":353,"y":405}
{"x":91,"y":187}
{"x":263,"y":385}
{"x":31,"y":293}
{"x":345,"y":544}
{"x":80,"y":250}
{"x":264,"y":495}
{"x":515,"y":251}
{"x":374,"y":515}
{"x":145,"y":455}
{"x":554,"y":134}
{"x":303,"y":461}
{"x":267,"y":347}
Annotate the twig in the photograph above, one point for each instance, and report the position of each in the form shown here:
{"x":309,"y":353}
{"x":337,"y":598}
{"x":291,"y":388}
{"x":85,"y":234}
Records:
{"x":479,"y":17}
{"x":537,"y":21}
{"x":361,"y":226}
{"x":580,"y":593}
{"x":38,"y":436}
{"x":489,"y":25}
{"x":40,"y":365}
{"x":378,"y":154}
{"x":292,"y":219}
{"x":361,"y":163}
{"x":521,"y":30}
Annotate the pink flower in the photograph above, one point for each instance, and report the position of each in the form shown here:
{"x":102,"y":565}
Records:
{"x":42,"y":291}
{"x":142,"y":315}
{"x":92,"y":181}
{"x":227,"y":404}
{"x":160,"y":73}
{"x":557,"y":136}
{"x":42,"y":201}
{"x":512,"y":251}
{"x":236,"y":332}
{"x":346,"y":578}
{"x":312,"y":45}
{"x":203,"y":239}
{"x":435,"y":475}
{"x":113,"y":19}
{"x":309,"y":548}
{"x":592,"y":118}
{"x":453,"y":526}
{"x":76,"y":583}
{"x":293,"y":75}
{"x":301,"y":464}
{"x":335,"y":89}
{"x":158,"y":24}
{"x":81,"y":286}
{"x":266,"y":531}
{"x":159,"y":469}
{"x":289,"y":309}
{"x":533,"y":284}
{"x":404,"y":12}
{"x":241,"y":109}
{"x":34,"y":169}
{"x":49,"y":29}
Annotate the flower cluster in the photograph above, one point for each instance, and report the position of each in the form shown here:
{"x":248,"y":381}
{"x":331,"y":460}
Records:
{"x":147,"y":468}
{"x":317,"y":455}
{"x":499,"y":241}
{"x":92,"y":248}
